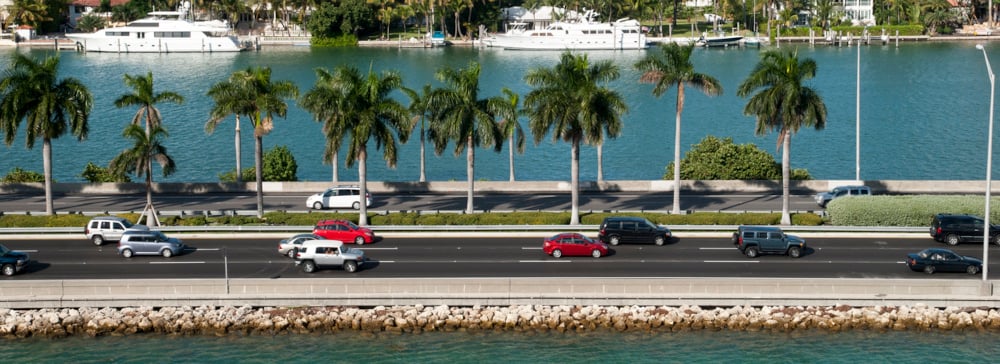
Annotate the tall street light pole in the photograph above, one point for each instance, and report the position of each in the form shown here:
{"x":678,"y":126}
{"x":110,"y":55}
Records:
{"x":857,"y":115}
{"x":989,"y":166}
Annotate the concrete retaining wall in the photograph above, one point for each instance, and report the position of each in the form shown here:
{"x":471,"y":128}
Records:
{"x":496,"y":292}
{"x":774,"y":187}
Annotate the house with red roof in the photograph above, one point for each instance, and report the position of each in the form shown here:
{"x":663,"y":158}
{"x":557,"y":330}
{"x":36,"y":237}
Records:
{"x":79,"y":8}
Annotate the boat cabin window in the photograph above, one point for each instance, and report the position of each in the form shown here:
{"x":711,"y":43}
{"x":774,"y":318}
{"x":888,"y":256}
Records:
{"x":116,"y":34}
{"x":144,"y":24}
{"x":172,"y":34}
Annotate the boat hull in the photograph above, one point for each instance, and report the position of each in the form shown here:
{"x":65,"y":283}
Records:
{"x":519,"y":42}
{"x":720,"y":41}
{"x":87,"y":43}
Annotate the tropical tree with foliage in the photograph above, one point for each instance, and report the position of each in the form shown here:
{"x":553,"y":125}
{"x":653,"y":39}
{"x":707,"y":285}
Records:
{"x":227,"y":103}
{"x":672,"y":67}
{"x":253,"y":94}
{"x":145,"y":98}
{"x":466,"y":119}
{"x":368,"y":114}
{"x":31,"y":91}
{"x":147,"y":147}
{"x":323,"y":101}
{"x":29,"y":12}
{"x":780,"y":100}
{"x":570,"y":100}
{"x":422,"y":112}
{"x":510,"y":126}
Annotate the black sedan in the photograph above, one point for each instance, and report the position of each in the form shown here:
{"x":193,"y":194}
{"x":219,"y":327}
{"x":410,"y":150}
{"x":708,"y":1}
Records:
{"x":942,"y":260}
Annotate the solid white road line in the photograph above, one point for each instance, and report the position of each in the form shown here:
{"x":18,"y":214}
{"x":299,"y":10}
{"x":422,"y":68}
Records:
{"x":731,"y":261}
{"x":544,"y":261}
{"x":176,"y":262}
{"x":531,"y":248}
{"x":716,"y":248}
{"x":379,"y":248}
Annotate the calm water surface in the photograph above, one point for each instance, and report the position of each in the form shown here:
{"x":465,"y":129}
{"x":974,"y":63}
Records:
{"x":923,"y":105}
{"x":680,"y":347}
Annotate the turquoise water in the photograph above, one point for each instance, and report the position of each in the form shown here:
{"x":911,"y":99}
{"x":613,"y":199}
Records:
{"x":600,"y":347}
{"x":924,"y":113}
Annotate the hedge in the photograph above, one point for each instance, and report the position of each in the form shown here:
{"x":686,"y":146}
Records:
{"x":904,"y":210}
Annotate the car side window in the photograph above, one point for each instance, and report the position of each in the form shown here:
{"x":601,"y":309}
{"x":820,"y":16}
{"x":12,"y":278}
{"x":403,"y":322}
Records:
{"x":761,"y":235}
{"x":105,"y":225}
{"x":774,"y":235}
{"x":748,"y":234}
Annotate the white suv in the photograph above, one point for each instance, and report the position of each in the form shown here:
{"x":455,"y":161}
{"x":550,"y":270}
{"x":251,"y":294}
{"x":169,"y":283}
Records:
{"x":339,"y":197}
{"x":315,"y":254}
{"x":109,"y":228}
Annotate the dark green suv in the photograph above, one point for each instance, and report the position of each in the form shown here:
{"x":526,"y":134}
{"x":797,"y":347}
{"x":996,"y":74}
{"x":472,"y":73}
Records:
{"x":753,"y":241}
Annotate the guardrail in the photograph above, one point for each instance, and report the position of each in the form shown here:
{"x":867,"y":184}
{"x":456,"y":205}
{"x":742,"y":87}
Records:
{"x":470,"y":228}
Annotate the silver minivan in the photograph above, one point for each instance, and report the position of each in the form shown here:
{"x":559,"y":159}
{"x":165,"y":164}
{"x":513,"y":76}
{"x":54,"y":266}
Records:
{"x":824,"y":198}
{"x":134,"y":242}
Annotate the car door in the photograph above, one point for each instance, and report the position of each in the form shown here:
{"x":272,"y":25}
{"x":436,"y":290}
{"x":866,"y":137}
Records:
{"x":645,"y":232}
{"x":950,"y":263}
{"x":330,"y":198}
{"x":328,"y":256}
{"x":973,"y":230}
{"x":773,"y":242}
{"x":115,"y":231}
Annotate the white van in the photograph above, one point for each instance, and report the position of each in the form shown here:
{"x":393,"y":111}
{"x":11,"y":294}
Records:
{"x":339,"y":197}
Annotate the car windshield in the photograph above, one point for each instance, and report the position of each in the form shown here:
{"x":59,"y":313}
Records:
{"x":352,"y":225}
{"x":127,"y":224}
{"x":160,"y":236}
{"x":4,"y":250}
{"x":924,"y":254}
{"x":649,"y":223}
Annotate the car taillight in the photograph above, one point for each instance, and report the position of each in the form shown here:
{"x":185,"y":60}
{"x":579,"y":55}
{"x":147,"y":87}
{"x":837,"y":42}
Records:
{"x":938,"y":230}
{"x":739,"y":241}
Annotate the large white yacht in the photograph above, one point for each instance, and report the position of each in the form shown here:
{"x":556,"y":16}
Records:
{"x":161,"y":32}
{"x":580,"y":34}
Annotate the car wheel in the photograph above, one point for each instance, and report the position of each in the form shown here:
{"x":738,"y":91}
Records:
{"x":951,"y":239}
{"x":317,"y":205}
{"x":996,"y":239}
{"x":98,"y":240}
{"x":8,"y":270}
{"x":291,"y":253}
{"x":929,"y":269}
{"x":128,"y":253}
{"x":660,"y":240}
{"x":356,"y":205}
{"x":308,"y":266}
{"x":614,"y":239}
{"x":596,"y":253}
{"x":751,"y":252}
{"x":970,"y":269}
{"x":167,"y":253}
{"x":360,"y":240}
{"x":557,"y":253}
{"x":795,"y":252}
{"x":350,"y":266}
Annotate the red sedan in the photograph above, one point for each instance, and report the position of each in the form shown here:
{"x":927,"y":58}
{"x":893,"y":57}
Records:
{"x":573,"y":244}
{"x":345,"y":231}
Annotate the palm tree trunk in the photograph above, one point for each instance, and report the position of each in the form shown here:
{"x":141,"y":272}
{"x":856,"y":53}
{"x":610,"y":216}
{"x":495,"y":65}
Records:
{"x":239,"y":168}
{"x":47,"y":170}
{"x":677,"y":149}
{"x":510,"y":156}
{"x":259,"y":166}
{"x":151,"y":219}
{"x":363,"y":179}
{"x":600,"y":163}
{"x":470,"y":156}
{"x":786,"y":219}
{"x":423,"y":175}
{"x":333,"y":164}
{"x":574,"y":218}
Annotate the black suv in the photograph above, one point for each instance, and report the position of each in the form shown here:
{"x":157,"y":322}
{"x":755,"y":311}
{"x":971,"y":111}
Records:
{"x":615,"y":230}
{"x":954,"y":229}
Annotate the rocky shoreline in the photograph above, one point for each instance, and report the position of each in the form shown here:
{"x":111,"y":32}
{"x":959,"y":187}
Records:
{"x":246,"y":320}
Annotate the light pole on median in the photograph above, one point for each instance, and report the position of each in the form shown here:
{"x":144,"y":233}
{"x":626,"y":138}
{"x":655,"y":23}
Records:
{"x":989,"y":166}
{"x":857,"y":116}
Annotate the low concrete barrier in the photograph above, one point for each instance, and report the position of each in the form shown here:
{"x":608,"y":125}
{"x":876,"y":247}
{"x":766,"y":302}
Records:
{"x":368,"y":292}
{"x":696,"y":186}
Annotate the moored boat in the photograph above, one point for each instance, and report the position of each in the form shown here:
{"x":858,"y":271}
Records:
{"x":161,"y":32}
{"x":580,"y":34}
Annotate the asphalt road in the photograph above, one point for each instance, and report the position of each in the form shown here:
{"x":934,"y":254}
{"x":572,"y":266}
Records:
{"x":413,"y":202}
{"x":488,"y":257}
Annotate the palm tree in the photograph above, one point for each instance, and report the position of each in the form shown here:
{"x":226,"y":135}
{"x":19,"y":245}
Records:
{"x":780,"y":101}
{"x":422,"y":111}
{"x":228,"y":103}
{"x":143,"y":96}
{"x":368,"y":114}
{"x":510,"y":127}
{"x":671,"y":68}
{"x":262,"y":99}
{"x":49,"y":106}
{"x":323,"y":102}
{"x":568,"y":100}
{"x":29,"y":12}
{"x":465,"y":118}
{"x":138,"y":160}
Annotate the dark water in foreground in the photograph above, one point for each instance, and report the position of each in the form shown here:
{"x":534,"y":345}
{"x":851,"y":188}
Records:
{"x":600,"y":347}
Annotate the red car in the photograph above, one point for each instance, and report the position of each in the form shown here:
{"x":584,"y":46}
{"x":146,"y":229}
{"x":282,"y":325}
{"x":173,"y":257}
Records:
{"x":573,"y":244}
{"x":345,"y":231}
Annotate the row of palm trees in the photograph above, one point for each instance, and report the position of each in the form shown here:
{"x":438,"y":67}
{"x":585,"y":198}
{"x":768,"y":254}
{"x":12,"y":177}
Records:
{"x":570,"y":101}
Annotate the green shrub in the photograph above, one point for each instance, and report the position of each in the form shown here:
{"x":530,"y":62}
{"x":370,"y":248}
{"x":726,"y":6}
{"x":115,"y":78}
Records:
{"x":903,"y":210}
{"x":18,"y":175}
{"x":722,"y":159}
{"x":97,"y":174}
{"x":348,"y":40}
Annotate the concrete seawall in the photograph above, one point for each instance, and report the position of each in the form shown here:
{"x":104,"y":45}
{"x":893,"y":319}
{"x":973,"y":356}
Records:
{"x":370,"y":292}
{"x":650,"y":186}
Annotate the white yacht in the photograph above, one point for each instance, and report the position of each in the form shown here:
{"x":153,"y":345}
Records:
{"x":582,"y":34}
{"x":161,"y":32}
